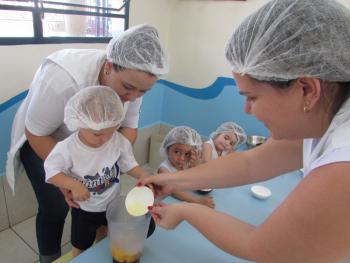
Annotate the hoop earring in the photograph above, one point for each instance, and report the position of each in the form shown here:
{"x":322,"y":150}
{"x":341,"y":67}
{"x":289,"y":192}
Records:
{"x":107,"y":72}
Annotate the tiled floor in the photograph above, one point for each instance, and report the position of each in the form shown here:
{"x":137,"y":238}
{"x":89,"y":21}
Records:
{"x":18,"y":244}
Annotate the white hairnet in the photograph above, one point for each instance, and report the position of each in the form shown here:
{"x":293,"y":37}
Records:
{"x":286,"y":39}
{"x":95,"y":107}
{"x":231,"y":127}
{"x":139,"y":48}
{"x":182,"y":135}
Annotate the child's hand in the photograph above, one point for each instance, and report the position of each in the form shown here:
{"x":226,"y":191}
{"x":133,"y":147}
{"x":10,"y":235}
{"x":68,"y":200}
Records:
{"x":207,"y":201}
{"x":80,"y":192}
{"x":195,"y":158}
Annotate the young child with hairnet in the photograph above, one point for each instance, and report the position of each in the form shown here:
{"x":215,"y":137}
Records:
{"x":227,"y":137}
{"x":89,"y":161}
{"x":182,"y":146}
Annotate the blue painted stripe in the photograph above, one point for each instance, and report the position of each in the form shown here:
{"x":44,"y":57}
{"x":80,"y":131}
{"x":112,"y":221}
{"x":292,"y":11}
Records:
{"x":12,"y":101}
{"x":209,"y":92}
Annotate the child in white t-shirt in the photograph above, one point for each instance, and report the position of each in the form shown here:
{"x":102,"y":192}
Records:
{"x":182,"y":147}
{"x":89,"y":162}
{"x":227,"y":137}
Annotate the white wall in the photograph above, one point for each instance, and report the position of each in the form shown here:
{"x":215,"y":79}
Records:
{"x":19,"y":63}
{"x":200,"y":30}
{"x":157,"y":13}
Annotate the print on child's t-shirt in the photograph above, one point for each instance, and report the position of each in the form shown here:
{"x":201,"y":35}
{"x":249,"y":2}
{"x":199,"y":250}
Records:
{"x":100,"y":182}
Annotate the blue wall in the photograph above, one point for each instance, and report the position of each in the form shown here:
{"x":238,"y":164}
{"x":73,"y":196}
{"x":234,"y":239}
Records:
{"x":168,"y":103}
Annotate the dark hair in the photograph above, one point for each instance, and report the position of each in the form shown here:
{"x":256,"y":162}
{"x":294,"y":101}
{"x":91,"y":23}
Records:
{"x":339,"y":91}
{"x":118,"y":68}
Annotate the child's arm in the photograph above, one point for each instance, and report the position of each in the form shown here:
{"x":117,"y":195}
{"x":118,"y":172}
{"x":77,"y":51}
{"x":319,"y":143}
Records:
{"x":206,"y":152}
{"x":188,"y":197}
{"x":79,"y":191}
{"x":137,"y":172}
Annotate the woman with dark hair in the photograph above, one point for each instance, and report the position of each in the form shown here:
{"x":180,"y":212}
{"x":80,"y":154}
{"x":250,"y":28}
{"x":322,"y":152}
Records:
{"x":291,"y":60}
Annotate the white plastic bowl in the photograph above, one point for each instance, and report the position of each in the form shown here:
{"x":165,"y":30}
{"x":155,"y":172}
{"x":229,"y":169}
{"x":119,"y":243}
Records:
{"x":260,"y":192}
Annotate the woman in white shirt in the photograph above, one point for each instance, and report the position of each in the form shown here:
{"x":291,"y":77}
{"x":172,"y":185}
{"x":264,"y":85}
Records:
{"x":38,"y":124}
{"x":291,"y":60}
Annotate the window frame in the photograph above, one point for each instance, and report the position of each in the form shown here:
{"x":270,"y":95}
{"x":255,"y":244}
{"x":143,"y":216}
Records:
{"x":38,"y":38}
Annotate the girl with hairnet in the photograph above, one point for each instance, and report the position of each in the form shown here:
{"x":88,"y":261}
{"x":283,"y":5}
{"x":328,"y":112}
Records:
{"x":89,"y":162}
{"x":182,"y":148}
{"x":130,"y":65}
{"x":291,"y":60}
{"x":227,"y":137}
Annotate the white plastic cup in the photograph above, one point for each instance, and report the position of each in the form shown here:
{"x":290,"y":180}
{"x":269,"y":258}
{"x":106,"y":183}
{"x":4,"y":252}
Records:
{"x":126,"y":233}
{"x":138,"y":200}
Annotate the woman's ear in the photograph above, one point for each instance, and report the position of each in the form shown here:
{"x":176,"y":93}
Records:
{"x":311,"y":92}
{"x":108,"y":67}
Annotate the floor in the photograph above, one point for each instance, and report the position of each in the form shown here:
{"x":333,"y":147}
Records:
{"x":18,"y":244}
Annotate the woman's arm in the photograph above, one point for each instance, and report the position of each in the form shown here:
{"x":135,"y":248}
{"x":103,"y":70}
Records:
{"x":238,"y":168}
{"x":42,"y":145}
{"x":311,"y":225}
{"x":188,"y":197}
{"x":129,"y":133}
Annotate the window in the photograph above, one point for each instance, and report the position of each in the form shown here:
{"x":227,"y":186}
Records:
{"x":62,"y":21}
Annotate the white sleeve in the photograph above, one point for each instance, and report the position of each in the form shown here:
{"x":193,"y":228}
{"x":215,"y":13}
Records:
{"x":46,"y":109}
{"x":56,"y":162}
{"x":132,"y":114}
{"x":337,"y":155}
{"x":127,"y":159}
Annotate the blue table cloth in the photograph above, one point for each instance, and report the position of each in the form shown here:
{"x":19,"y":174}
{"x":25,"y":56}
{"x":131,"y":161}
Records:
{"x":186,"y":245}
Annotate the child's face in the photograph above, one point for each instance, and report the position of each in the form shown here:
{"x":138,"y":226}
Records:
{"x":94,"y":138}
{"x":225,"y":141}
{"x":179,"y":155}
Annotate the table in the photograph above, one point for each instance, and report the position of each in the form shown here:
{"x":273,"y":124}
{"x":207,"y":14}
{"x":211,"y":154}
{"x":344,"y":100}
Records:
{"x":184,"y":244}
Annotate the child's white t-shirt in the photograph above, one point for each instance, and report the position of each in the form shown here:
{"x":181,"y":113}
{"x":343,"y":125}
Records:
{"x":97,"y":168}
{"x":167,"y":165}
{"x":214,"y":153}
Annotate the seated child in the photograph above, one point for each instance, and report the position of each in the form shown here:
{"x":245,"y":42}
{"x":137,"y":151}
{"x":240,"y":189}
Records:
{"x":89,"y":161}
{"x":227,"y":137}
{"x":182,"y":147}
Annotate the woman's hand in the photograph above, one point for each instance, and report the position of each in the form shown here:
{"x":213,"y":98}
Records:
{"x":158,"y":183}
{"x":167,"y":216}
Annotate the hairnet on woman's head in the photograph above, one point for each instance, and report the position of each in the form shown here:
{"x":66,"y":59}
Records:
{"x":181,"y":135}
{"x":95,"y":107}
{"x":286,"y":39}
{"x":231,"y":127}
{"x":139,"y":48}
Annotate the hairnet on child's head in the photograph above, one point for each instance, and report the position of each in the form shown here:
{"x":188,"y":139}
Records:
{"x":95,"y":107}
{"x":231,"y":127}
{"x":287,"y":39}
{"x":182,"y":135}
{"x":139,"y":48}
